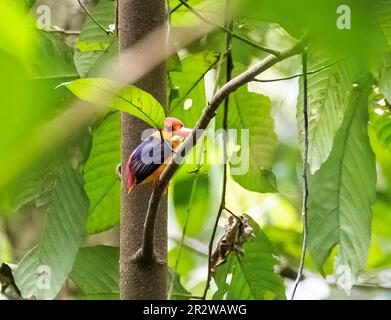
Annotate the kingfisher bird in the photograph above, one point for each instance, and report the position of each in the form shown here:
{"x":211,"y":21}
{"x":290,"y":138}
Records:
{"x":150,"y":158}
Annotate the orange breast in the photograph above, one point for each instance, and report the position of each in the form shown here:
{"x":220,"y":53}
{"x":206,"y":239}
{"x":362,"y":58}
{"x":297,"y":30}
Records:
{"x":155,"y":176}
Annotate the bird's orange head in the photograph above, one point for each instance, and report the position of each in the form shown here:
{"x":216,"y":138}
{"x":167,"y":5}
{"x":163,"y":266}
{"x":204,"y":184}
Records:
{"x":174,"y":128}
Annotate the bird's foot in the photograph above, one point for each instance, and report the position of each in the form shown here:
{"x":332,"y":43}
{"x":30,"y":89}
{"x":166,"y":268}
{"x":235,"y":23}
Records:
{"x":118,"y":171}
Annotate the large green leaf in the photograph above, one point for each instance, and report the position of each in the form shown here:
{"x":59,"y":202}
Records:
{"x":96,"y":272}
{"x":92,"y":37}
{"x":383,"y":10}
{"x":52,"y":260}
{"x":188,"y":86}
{"x":130,"y":99}
{"x":329,"y":96}
{"x":94,"y":63}
{"x":52,"y":59}
{"x":101,"y":183}
{"x":341,"y":194}
{"x":252,"y":111}
{"x":95,"y":48}
{"x":251,"y":275}
{"x":29,"y":186}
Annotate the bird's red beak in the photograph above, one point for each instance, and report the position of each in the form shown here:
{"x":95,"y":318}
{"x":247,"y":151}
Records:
{"x":182,"y":132}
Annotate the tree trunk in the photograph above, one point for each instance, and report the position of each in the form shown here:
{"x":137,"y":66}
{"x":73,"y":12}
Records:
{"x":136,"y":18}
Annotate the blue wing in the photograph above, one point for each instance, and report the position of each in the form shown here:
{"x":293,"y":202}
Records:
{"x":148,"y":157}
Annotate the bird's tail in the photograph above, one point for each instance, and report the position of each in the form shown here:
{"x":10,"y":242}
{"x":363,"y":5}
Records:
{"x":131,"y":178}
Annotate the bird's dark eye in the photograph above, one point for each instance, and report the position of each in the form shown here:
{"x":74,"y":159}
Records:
{"x":172,"y":124}
{"x":176,"y":126}
{"x":168,"y":128}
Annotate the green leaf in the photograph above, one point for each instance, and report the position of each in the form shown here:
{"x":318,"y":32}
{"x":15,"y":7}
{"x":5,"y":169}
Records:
{"x":252,"y":111}
{"x":96,"y":272}
{"x":26,"y":274}
{"x":174,"y":63}
{"x":383,"y":12}
{"x":85,"y":60}
{"x":94,"y":48}
{"x":52,"y":59}
{"x":385,"y":82}
{"x":189,"y":99}
{"x":329,"y":96}
{"x":381,"y":122}
{"x":30,"y":185}
{"x":178,"y":292}
{"x":341,"y":194}
{"x":128,"y":99}
{"x":92,"y":37}
{"x":51,"y":261}
{"x":250,"y":276}
{"x":94,"y":63}
{"x":101,"y":183}
{"x":183,"y":17}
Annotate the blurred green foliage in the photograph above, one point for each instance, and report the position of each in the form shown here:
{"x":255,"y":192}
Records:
{"x":70,"y":175}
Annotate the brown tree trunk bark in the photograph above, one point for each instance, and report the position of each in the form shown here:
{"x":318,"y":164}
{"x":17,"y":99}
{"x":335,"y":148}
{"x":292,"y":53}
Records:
{"x":136,"y":18}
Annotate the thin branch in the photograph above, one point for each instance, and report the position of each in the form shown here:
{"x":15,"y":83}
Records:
{"x":178,"y":6}
{"x":108,"y":32}
{"x":61,"y":31}
{"x":193,"y":245}
{"x":297,"y":75}
{"x":187,"y":296}
{"x":168,"y":22}
{"x":116,"y":17}
{"x":229,"y":67}
{"x":305,"y":178}
{"x":231,"y":213}
{"x":233,"y":34}
{"x":147,"y":250}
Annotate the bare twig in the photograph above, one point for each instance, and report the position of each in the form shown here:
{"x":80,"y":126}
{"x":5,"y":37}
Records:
{"x":233,"y":34}
{"x":61,"y":31}
{"x":305,"y":178}
{"x":178,"y":6}
{"x":297,"y":75}
{"x":187,"y":296}
{"x":231,"y":213}
{"x":116,"y":18}
{"x":191,"y":244}
{"x":147,"y":250}
{"x":108,"y":32}
{"x":229,"y":67}
{"x":168,"y":21}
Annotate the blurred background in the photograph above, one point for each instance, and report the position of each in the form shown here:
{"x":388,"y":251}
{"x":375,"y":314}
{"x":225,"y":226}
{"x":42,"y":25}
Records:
{"x":34,"y":62}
